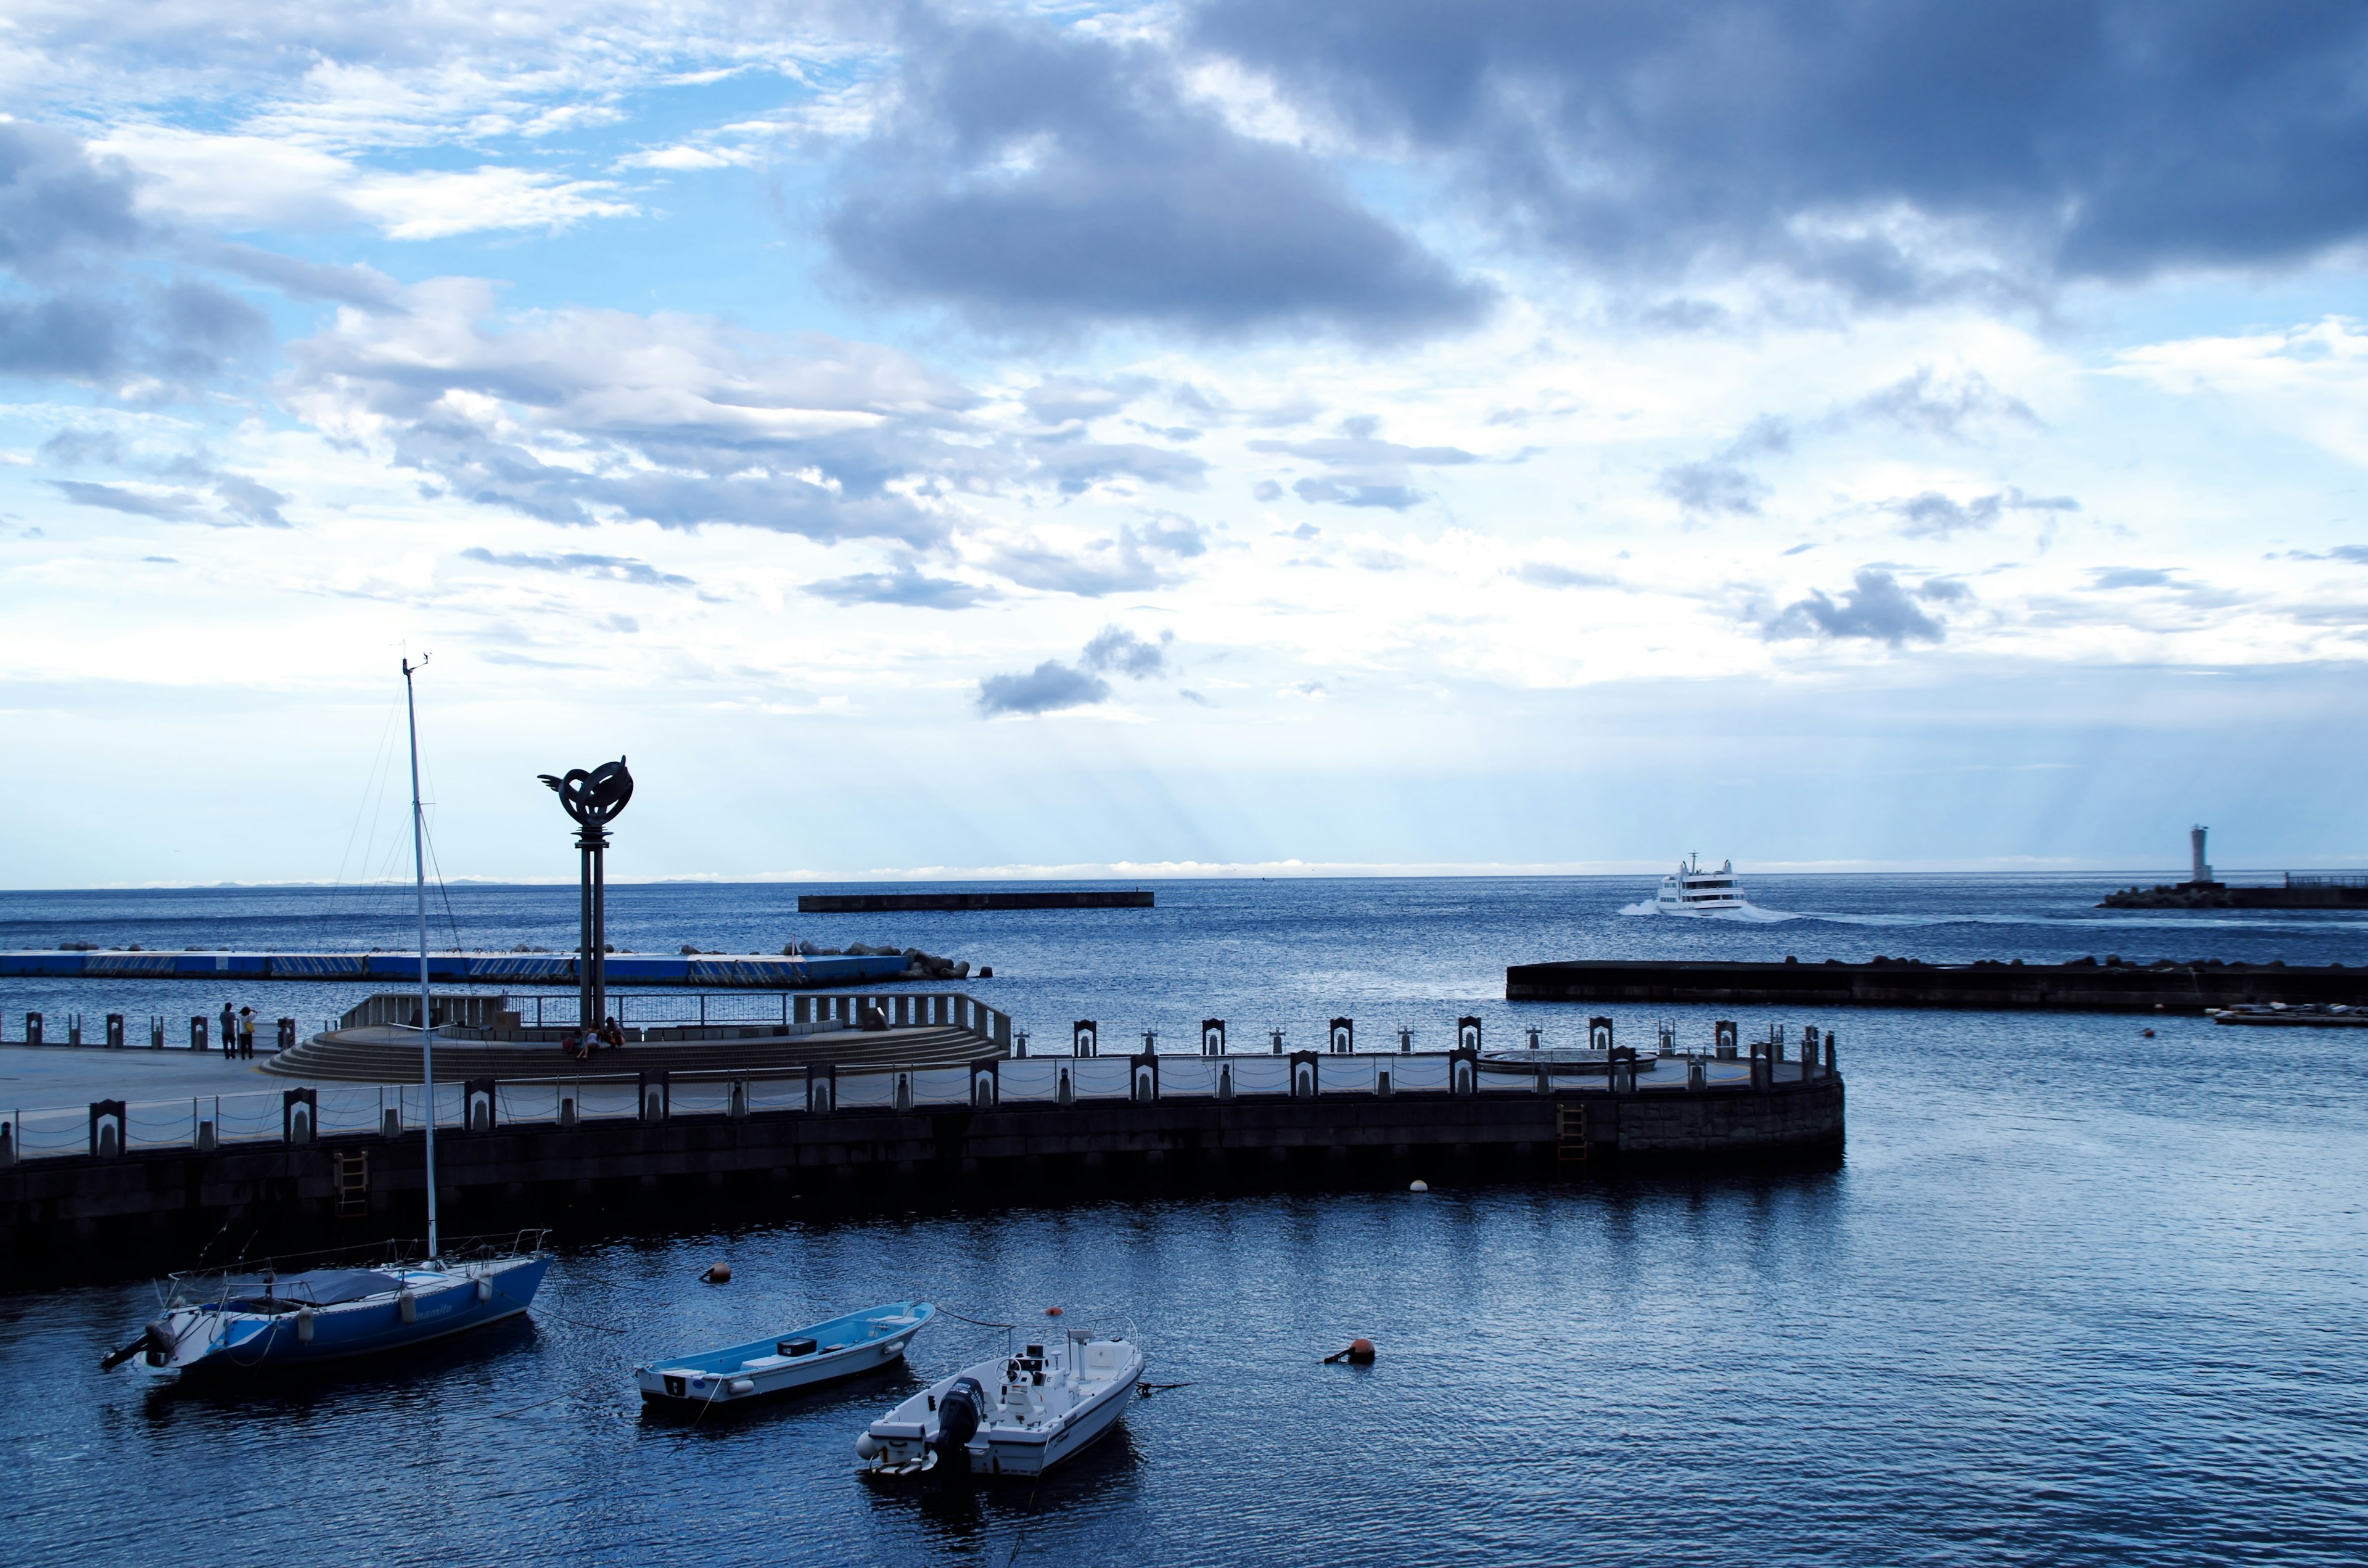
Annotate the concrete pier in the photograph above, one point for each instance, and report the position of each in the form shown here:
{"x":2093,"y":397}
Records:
{"x":377,"y":1181}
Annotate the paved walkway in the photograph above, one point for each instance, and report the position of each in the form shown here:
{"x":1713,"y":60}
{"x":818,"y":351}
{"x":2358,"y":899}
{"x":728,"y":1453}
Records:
{"x":66,"y":1075}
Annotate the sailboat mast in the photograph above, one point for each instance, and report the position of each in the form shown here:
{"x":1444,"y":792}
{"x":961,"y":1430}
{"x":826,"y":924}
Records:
{"x":427,"y":1004}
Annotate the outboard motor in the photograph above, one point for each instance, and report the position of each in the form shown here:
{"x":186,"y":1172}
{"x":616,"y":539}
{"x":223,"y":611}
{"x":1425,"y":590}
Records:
{"x":156,"y":1340}
{"x":958,"y":1414}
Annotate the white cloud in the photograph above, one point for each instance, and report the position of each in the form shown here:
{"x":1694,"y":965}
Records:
{"x":240,"y":183}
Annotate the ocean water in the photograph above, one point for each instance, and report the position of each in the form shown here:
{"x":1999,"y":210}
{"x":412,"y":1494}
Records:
{"x":2074,"y":1295}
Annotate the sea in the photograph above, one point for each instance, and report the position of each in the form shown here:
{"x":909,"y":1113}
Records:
{"x":2075,"y":1292}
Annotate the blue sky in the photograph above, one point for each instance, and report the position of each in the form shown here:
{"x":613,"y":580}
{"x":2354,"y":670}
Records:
{"x":1210,"y":436}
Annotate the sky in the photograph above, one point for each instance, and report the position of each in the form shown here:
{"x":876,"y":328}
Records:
{"x":1212,"y":437}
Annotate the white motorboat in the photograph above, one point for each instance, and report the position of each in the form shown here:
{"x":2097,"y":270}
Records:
{"x":1689,"y":890}
{"x":1011,"y":1415}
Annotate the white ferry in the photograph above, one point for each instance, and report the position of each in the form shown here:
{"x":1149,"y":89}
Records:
{"x":1693,"y":891}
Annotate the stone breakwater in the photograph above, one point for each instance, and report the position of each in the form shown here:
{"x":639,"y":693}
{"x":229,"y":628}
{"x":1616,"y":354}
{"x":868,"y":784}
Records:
{"x":2083,"y":985}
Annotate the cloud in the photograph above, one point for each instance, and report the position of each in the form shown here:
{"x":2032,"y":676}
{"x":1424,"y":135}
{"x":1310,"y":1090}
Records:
{"x":1033,"y":177}
{"x":177,"y":506}
{"x":611,"y":568}
{"x":1548,"y":575}
{"x":1122,"y":563}
{"x":1058,"y":400}
{"x":1354,"y":452}
{"x":75,"y":305}
{"x":1721,"y":483}
{"x":1895,"y":152}
{"x":1116,"y":649}
{"x":2131,"y":577}
{"x":1930,"y":515}
{"x":1398,"y":497}
{"x":1076,"y":467}
{"x":903,"y":585}
{"x":1049,"y":686}
{"x":1945,"y":406}
{"x":1875,"y":607}
{"x":670,"y":419}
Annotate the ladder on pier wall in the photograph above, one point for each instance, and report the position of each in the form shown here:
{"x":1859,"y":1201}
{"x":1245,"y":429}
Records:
{"x":352,"y":1183}
{"x":1570,"y":1134}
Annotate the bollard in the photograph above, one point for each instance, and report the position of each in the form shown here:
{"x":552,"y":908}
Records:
{"x":73,"y":1029}
{"x":198,"y":1032}
{"x":1829,"y":1053}
{"x":156,"y":1031}
{"x":1723,"y":1039}
{"x":1406,"y":1042}
{"x":1694,"y":1078}
{"x":7,"y":1144}
{"x":115,"y":1031}
{"x":32,"y":1029}
{"x":1467,"y":1033}
{"x":567,"y":1110}
{"x":1344,"y":1036}
{"x":286,"y":1039}
{"x":1213,"y":1037}
{"x":1084,"y":1038}
{"x":1667,"y":1044}
{"x":1276,"y":1036}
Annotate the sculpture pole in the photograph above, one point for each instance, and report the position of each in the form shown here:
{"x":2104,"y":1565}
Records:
{"x":593,"y":798}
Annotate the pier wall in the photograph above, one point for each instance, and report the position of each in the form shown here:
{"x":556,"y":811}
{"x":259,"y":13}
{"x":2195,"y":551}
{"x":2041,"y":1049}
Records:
{"x":1570,"y":1131}
{"x":2071,"y":987}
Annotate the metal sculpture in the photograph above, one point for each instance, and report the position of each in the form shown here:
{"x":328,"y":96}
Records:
{"x":593,"y":798}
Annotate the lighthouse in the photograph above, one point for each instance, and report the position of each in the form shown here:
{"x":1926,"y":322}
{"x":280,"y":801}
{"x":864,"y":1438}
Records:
{"x":2200,"y":874}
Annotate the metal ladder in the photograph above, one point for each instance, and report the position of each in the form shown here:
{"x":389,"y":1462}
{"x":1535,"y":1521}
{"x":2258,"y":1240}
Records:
{"x":1570,"y":1134}
{"x":352,"y":1183}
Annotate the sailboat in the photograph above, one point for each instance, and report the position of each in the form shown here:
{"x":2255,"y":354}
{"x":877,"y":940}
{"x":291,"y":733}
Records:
{"x":227,"y":1322}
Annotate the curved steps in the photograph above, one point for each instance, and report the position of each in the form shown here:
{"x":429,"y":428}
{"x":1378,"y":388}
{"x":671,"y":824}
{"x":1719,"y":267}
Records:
{"x":391,"y":1056}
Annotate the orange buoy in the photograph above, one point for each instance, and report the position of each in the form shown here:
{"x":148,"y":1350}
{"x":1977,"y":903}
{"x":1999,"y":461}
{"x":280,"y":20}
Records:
{"x":718,"y":1273}
{"x":1361,"y":1350}
{"x":1052,"y":1312}
{"x":2148,"y":1033}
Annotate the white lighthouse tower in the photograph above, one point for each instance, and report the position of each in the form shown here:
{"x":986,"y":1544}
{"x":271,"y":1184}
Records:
{"x":2202,"y":870}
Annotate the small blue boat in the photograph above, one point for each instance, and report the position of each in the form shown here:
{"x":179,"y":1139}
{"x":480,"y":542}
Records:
{"x":801,"y":1357}
{"x":273,"y":1321}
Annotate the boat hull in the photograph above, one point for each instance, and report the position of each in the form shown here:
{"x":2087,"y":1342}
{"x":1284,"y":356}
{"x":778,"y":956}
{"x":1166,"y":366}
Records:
{"x":866,"y":1342}
{"x":207,"y":1344}
{"x":1039,"y":1411}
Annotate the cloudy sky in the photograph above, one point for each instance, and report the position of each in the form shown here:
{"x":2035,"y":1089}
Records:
{"x":1426,"y":433}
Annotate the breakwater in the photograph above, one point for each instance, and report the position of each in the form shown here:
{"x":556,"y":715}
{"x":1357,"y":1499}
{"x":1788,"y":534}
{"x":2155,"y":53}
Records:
{"x":2083,"y":985}
{"x":889,"y":902}
{"x":311,"y":1155}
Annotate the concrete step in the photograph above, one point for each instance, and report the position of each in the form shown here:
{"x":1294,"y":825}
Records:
{"x":387,"y":1056}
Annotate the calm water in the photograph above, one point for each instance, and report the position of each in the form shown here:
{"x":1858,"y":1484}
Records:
{"x":2076,"y":1295}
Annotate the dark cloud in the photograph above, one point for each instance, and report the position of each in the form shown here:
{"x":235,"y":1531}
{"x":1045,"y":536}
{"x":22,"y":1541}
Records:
{"x":611,"y":568}
{"x":1711,"y":486}
{"x":1175,"y":535}
{"x":1193,"y":696}
{"x":1398,"y":497}
{"x":1897,"y":150}
{"x":243,"y":500}
{"x":1363,"y":451}
{"x":1034,"y":178}
{"x":177,"y":507}
{"x":673,"y":420}
{"x":1932,"y":515}
{"x":1057,"y":400}
{"x":74,"y":305}
{"x":1077,"y":466}
{"x":1546,"y":575}
{"x":1050,"y":685}
{"x":903,"y":585}
{"x":1117,"y":651}
{"x":1874,"y":606}
{"x":358,"y":285}
{"x":1949,"y":406}
{"x":1944,"y":591}
{"x":1119,"y":564}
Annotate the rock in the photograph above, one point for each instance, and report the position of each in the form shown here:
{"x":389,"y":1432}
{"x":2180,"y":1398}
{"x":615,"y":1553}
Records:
{"x":962,"y":969}
{"x":987,"y":971}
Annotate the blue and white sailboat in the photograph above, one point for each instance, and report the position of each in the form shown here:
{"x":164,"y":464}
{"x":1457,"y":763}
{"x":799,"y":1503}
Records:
{"x":221,"y":1321}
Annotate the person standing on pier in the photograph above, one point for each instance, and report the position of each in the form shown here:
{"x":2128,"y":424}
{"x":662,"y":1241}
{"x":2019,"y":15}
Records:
{"x":246,"y":1034}
{"x":229,"y":1032}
